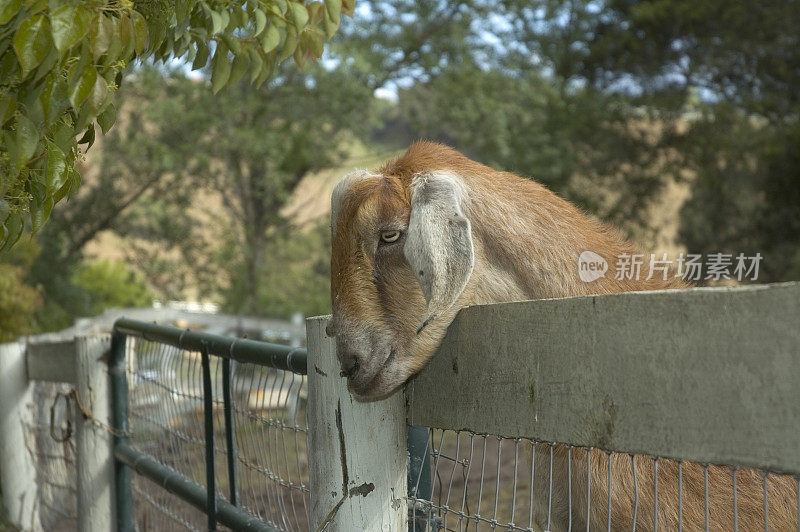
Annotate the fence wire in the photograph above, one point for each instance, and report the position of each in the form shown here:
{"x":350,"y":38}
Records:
{"x":270,"y":436}
{"x":51,"y":443}
{"x":487,"y":482}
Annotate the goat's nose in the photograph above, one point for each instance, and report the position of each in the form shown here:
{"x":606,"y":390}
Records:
{"x":349,"y":366}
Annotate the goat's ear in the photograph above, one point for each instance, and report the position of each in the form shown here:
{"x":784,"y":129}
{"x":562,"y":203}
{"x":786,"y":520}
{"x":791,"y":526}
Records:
{"x":439,"y":241}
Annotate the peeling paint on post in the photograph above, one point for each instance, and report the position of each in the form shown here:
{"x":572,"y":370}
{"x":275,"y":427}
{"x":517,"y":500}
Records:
{"x":357,"y":451}
{"x":95,"y":464}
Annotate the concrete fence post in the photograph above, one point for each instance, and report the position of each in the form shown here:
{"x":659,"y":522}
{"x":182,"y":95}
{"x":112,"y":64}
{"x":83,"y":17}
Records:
{"x":95,"y":465}
{"x":17,"y":471}
{"x":357,"y":450}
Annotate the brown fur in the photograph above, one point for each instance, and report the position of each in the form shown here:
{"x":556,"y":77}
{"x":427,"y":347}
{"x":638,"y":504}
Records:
{"x":526,"y":242}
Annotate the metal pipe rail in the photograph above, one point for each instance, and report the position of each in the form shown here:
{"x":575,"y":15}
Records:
{"x":128,"y":459}
{"x":239,"y":349}
{"x":175,"y":483}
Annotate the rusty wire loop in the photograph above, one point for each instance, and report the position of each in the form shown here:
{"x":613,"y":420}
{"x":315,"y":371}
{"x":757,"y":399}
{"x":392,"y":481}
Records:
{"x":52,"y":448}
{"x":66,"y":432}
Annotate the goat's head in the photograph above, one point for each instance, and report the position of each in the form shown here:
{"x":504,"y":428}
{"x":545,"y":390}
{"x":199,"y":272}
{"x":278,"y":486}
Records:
{"x":402,"y":255}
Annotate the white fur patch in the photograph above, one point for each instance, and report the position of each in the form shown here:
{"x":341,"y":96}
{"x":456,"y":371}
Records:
{"x":341,"y":189}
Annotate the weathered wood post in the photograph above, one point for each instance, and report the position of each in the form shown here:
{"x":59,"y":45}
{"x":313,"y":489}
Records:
{"x":357,"y":451}
{"x":17,"y":471}
{"x":95,"y":465}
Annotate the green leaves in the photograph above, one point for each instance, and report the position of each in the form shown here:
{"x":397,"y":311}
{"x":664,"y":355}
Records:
{"x":68,"y":25}
{"x":270,"y":38}
{"x":107,"y":118}
{"x":67,"y":61}
{"x":8,"y":104}
{"x":32,"y":42}
{"x":139,"y":32}
{"x":299,"y":15}
{"x":333,"y":9}
{"x":238,"y":68}
{"x":221,"y":68}
{"x":219,"y":19}
{"x":97,"y":96}
{"x":56,"y":172}
{"x":27,"y":138}
{"x":8,"y":9}
{"x":101,"y":31}
{"x":201,"y":57}
{"x":81,"y":84}
{"x":260,"y":22}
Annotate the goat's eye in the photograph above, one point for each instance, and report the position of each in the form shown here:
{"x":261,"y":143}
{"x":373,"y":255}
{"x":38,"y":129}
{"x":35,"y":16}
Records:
{"x":389,"y":236}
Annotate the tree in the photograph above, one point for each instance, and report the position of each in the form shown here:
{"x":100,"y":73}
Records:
{"x":476,"y":78}
{"x":747,"y":191}
{"x":112,"y":284}
{"x":403,"y":41}
{"x":19,"y":302}
{"x":294,"y":275}
{"x":608,"y":102}
{"x":62,"y":61}
{"x":242,"y":153}
{"x":741,"y":136}
{"x":593,"y":148}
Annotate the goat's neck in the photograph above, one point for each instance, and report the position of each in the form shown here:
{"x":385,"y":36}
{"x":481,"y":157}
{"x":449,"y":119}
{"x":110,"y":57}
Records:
{"x":527,"y":243}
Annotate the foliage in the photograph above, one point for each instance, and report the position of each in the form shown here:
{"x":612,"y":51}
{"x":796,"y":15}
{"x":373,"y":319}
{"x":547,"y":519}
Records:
{"x":393,"y":42}
{"x":293,"y":277}
{"x":607,"y":102}
{"x":580,"y":143}
{"x":19,"y":302}
{"x":111,"y":283}
{"x":63,"y":301}
{"x":491,"y":80}
{"x":242,"y":152}
{"x":62,"y":61}
{"x":740,"y":137}
{"x":746,"y":195}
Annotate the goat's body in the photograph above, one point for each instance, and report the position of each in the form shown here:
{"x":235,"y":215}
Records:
{"x":629,"y":494}
{"x":527,"y":242}
{"x":531,"y":252}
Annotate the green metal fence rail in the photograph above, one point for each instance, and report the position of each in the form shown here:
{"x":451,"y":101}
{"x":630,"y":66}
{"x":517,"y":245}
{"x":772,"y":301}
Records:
{"x":127,"y":459}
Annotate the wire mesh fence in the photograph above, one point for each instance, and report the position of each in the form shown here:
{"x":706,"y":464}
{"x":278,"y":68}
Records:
{"x":50,"y":441}
{"x":269,"y":438}
{"x":487,"y":482}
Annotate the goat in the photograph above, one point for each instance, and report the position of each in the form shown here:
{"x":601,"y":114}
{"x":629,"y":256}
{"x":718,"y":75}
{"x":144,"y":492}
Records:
{"x":432,"y":232}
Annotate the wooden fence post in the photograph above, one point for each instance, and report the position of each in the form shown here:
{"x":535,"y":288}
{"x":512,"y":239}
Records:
{"x":357,"y":450}
{"x":17,"y":471}
{"x":95,"y":464}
